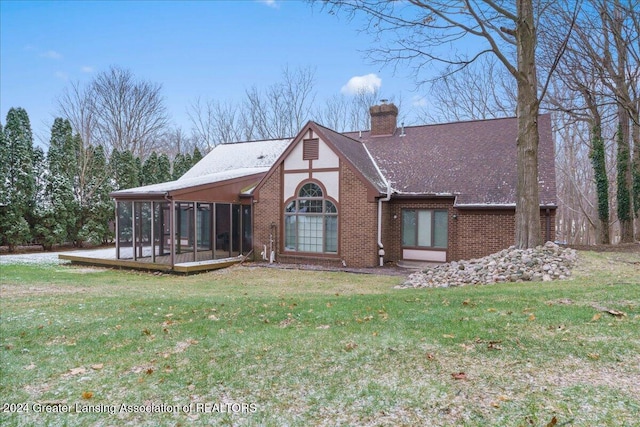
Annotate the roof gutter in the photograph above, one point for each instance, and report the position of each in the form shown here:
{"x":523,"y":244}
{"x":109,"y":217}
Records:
{"x":380,"y":201}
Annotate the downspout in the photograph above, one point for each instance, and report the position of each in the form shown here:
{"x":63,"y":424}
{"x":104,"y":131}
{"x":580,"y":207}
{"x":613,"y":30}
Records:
{"x":380,"y":201}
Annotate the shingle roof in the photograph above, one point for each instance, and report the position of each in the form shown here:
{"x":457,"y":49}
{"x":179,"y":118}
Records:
{"x":239,"y":155}
{"x":224,"y":162}
{"x":183,"y":183}
{"x":356,"y":153}
{"x":474,"y":161}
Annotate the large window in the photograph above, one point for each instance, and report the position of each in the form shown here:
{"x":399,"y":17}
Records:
{"x":423,"y":228}
{"x":311,"y":222}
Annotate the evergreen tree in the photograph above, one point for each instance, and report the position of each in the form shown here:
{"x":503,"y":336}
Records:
{"x":197,"y":156}
{"x":4,"y":169}
{"x":58,"y":211}
{"x":164,"y":168}
{"x":98,"y":212}
{"x":126,"y":169}
{"x":150,"y":170}
{"x":19,"y":181}
{"x":181,"y":164}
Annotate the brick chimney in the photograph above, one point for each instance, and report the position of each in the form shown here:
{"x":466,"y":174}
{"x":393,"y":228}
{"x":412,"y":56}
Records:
{"x":383,"y":119}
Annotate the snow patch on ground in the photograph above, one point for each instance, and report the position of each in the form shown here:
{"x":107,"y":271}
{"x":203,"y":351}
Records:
{"x":40,"y":258}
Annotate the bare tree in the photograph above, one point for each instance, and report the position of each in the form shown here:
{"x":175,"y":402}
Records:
{"x":359,"y":111}
{"x":478,"y":91}
{"x":282,"y":109}
{"x":77,"y":104}
{"x":334,"y":113}
{"x":215,"y":122}
{"x":603,"y":67}
{"x":345,"y":113}
{"x":116,"y":111}
{"x":427,"y":32}
{"x":130,"y":114}
{"x":279,"y":111}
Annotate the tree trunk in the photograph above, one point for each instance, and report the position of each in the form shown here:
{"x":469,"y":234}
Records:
{"x":598,"y":161}
{"x":528,"y":232}
{"x":624,"y":179}
{"x":635,"y":137}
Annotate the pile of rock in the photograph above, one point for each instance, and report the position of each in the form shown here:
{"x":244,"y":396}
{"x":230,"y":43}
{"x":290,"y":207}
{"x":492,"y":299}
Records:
{"x":544,"y":263}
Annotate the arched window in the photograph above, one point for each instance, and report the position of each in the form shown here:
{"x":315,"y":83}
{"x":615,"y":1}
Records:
{"x":311,"y":222}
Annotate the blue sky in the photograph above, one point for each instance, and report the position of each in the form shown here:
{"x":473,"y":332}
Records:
{"x":208,"y":49}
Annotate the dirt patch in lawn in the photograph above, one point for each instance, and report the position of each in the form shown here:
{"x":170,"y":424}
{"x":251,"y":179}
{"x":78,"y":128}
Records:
{"x":13,"y":291}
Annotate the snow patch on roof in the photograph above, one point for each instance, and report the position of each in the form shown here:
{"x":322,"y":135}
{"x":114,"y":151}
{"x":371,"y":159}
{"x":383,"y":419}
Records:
{"x":224,"y":162}
{"x":240,"y":155}
{"x":183,"y":182}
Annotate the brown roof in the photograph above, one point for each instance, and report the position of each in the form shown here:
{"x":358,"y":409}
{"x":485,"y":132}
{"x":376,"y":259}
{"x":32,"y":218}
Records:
{"x":356,"y":153}
{"x":474,"y":161}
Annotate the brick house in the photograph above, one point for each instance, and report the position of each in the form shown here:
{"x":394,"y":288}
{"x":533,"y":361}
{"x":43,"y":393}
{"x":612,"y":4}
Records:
{"x":420,"y":193}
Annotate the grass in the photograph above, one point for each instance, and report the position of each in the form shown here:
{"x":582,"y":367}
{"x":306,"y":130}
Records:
{"x":255,"y":346}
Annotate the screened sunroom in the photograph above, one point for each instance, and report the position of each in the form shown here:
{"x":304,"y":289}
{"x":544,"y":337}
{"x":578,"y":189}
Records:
{"x":201,"y":219}
{"x":186,"y":221}
{"x":181,"y":231}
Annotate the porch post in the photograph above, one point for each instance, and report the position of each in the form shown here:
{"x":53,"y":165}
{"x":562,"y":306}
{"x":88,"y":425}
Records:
{"x":117,"y":231}
{"x":153,"y":232}
{"x":134,"y":229}
{"x":195,"y":231}
{"x":214,"y":232}
{"x":172,"y":232}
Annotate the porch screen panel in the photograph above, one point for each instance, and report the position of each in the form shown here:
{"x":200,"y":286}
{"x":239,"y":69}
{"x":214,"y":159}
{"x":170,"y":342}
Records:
{"x":235,"y":230}
{"x":185,"y":229}
{"x":143,"y":218}
{"x":162,"y":232}
{"x":204,"y":219}
{"x":125,"y":229}
{"x":223,"y":230}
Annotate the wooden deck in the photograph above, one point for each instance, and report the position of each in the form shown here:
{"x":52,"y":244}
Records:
{"x":107,"y":258}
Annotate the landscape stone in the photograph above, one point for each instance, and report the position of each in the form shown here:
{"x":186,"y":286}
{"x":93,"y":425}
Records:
{"x":543,"y":263}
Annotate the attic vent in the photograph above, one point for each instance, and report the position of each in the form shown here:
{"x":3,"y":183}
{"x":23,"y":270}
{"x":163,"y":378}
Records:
{"x":310,"y":149}
{"x":261,"y":156}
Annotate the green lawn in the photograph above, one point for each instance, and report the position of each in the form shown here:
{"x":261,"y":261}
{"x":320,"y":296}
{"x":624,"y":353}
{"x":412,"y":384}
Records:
{"x":257,"y":346}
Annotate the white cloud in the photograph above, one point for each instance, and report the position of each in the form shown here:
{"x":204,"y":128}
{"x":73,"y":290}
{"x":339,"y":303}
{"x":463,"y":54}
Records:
{"x":51,"y":54}
{"x":270,"y":3}
{"x":87,"y":69}
{"x":368,"y":83}
{"x":62,"y":75}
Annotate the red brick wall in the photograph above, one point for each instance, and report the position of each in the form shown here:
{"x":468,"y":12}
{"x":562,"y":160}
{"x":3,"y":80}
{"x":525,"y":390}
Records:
{"x":383,"y":119}
{"x":267,"y":211}
{"x":357,"y":229}
{"x":392,"y":228}
{"x":472,"y":233}
{"x":483,"y":232}
{"x":358,"y":222}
